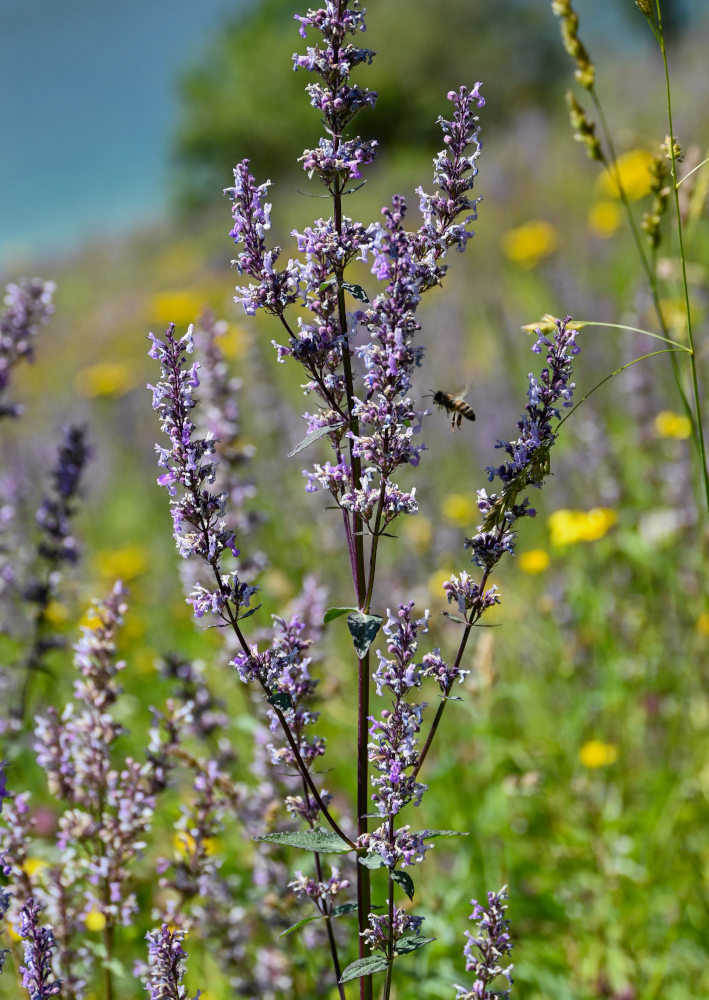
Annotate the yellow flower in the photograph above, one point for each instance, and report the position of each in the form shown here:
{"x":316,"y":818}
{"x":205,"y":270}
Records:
{"x":460,"y":509}
{"x":634,"y":171}
{"x":604,"y":218}
{"x":184,"y":843}
{"x":570,"y":526}
{"x":181,"y":308}
{"x":122,"y":564}
{"x":598,"y":754}
{"x":534,"y":561}
{"x":109,"y":378}
{"x":234,"y":341}
{"x":672,"y":425}
{"x":95,"y":920}
{"x":56,"y":613}
{"x":436,"y":581}
{"x":529,"y":243}
{"x":703,"y":623}
{"x":11,"y":932}
{"x":33,"y":865}
{"x":418,"y":531}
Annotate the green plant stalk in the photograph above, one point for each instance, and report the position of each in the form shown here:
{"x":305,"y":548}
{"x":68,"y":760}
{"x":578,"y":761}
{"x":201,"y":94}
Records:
{"x":683,"y":261}
{"x":612,"y":164}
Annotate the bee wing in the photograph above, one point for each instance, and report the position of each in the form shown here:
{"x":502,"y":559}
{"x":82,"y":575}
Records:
{"x":462,"y":393}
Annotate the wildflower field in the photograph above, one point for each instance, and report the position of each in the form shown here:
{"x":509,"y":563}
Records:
{"x":411,"y":636}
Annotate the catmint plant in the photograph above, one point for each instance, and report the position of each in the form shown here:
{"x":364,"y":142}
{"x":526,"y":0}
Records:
{"x":108,"y":810}
{"x":485,"y":950}
{"x":37,"y":976}
{"x":359,"y":366}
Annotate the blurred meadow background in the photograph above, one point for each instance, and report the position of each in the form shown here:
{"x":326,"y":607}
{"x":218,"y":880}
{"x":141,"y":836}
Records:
{"x":577,"y":758}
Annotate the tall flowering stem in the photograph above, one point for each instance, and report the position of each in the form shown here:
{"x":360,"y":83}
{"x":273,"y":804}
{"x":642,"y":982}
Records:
{"x":166,"y":958}
{"x":369,"y":419}
{"x":485,"y":950}
{"x":201,"y":532}
{"x":527,"y":466}
{"x":37,"y":976}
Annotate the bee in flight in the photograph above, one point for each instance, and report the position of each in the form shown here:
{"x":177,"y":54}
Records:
{"x":454,"y":402}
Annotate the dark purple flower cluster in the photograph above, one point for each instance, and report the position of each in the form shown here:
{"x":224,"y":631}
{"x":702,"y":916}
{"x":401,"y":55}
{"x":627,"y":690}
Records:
{"x":37,"y":976}
{"x":166,"y":958}
{"x":486,"y":949}
{"x":28,"y":306}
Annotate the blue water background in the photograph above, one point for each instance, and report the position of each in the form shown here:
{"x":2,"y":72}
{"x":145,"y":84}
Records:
{"x":87,"y":104}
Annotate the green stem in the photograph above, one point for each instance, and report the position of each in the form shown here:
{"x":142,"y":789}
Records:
{"x":612,"y":165}
{"x":582,"y":323}
{"x":666,"y":350}
{"x":682,"y":257}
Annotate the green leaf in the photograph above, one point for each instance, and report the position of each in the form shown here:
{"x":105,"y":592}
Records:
{"x":405,"y":881}
{"x":364,"y":967}
{"x":356,"y":291}
{"x":343,"y":909}
{"x":332,"y":613}
{"x":458,"y":621}
{"x":281,"y":700}
{"x":363,"y":629}
{"x":315,"y":436}
{"x":444,"y":833}
{"x":308,"y":840}
{"x":301,"y":923}
{"x":372,"y":861}
{"x":411,"y":942}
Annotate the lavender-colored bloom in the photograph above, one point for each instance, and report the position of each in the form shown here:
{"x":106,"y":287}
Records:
{"x":486,"y":949}
{"x":166,"y":958}
{"x":393,"y":749}
{"x":283,"y":671}
{"x":28,"y":306}
{"x":111,"y":806}
{"x":528,"y":466}
{"x":302,"y":885}
{"x":37,"y":976}
{"x":197,"y":513}
{"x":377,"y":935}
{"x":405,"y":849}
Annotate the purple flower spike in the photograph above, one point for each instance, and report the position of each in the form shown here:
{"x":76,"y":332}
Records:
{"x":486,"y":949}
{"x":198,"y":521}
{"x":37,"y":976}
{"x":166,"y":958}
{"x":29,"y":306}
